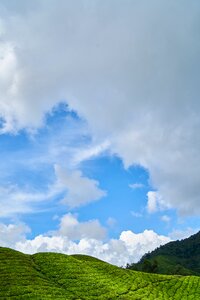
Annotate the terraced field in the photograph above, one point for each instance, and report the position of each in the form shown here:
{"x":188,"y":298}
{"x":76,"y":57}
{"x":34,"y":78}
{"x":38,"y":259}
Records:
{"x":57,"y":276}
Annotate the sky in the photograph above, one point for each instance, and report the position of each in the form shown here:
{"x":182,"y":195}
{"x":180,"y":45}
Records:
{"x":99,"y":125}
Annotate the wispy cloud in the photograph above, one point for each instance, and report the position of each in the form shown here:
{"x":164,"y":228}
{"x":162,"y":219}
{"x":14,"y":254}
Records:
{"x":179,"y":234}
{"x":71,"y":188}
{"x":16,"y":200}
{"x":165,"y":218}
{"x":89,"y":152}
{"x":136,"y":185}
{"x":136,"y":214}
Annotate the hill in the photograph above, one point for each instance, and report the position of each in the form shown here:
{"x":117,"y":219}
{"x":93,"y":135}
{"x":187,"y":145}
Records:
{"x":58,"y":276}
{"x":179,"y":257}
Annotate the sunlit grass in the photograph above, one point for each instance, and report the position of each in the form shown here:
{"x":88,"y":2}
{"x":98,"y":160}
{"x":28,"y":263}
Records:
{"x":59,"y":276}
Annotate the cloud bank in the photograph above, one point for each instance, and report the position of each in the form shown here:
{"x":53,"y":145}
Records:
{"x":130,"y":68}
{"x":88,"y":238}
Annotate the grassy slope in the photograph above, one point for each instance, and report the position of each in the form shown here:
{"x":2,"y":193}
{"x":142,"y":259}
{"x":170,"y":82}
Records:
{"x":57,"y":276}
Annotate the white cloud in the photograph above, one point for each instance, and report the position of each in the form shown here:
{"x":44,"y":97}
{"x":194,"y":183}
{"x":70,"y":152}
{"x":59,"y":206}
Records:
{"x":155,"y":202}
{"x":178,"y":234}
{"x":43,"y":244}
{"x":130,"y":69}
{"x":74,"y":237}
{"x":71,"y":228}
{"x":76,"y":189}
{"x":136,"y":214}
{"x":141,"y":243}
{"x":12,"y":233}
{"x":111,"y":222}
{"x":128,"y":248}
{"x":16,"y":200}
{"x":165,"y":218}
{"x":80,"y":190}
{"x":136,"y":186}
{"x":90,"y":152}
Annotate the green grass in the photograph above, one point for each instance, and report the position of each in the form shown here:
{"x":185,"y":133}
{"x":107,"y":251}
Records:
{"x":58,"y":276}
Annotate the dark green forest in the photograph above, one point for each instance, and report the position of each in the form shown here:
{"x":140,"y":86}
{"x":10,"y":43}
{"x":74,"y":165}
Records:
{"x":179,"y":257}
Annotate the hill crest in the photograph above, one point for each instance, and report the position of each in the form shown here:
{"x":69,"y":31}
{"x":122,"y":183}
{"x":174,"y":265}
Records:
{"x":180,"y":257}
{"x":59,"y":276}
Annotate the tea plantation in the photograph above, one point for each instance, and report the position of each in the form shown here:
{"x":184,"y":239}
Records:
{"x":58,"y":276}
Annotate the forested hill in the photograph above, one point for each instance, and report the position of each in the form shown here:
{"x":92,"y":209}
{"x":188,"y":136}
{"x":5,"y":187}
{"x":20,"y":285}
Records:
{"x":179,"y":257}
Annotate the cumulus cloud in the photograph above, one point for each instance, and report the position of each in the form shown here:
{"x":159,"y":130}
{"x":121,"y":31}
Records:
{"x":12,"y":233}
{"x":80,"y":190}
{"x":74,"y":237}
{"x":130,"y":68}
{"x":128,"y":248}
{"x":71,"y":228}
{"x":141,"y":243}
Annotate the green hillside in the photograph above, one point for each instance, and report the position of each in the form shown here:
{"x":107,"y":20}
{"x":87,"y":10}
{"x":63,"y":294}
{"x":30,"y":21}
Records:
{"x":179,"y":257}
{"x":58,"y":276}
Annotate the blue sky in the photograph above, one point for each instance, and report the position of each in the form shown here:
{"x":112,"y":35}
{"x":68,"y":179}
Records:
{"x":99,"y":132}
